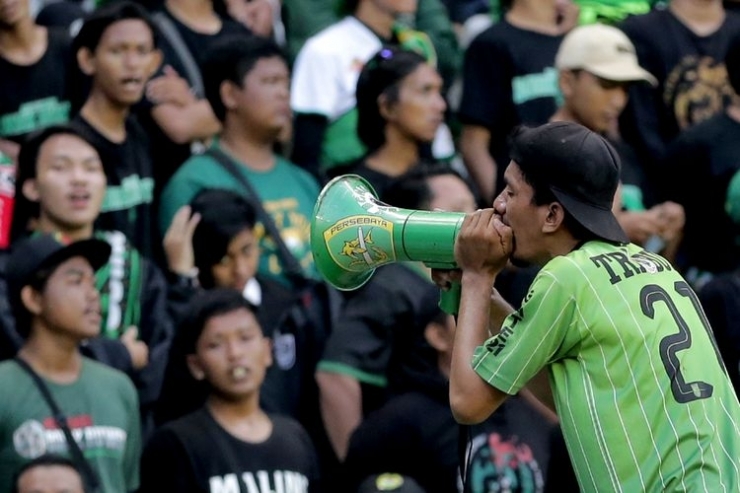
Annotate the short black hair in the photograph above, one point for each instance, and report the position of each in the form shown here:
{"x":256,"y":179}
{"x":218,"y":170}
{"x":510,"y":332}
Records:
{"x":732,"y":63}
{"x":223,"y":215}
{"x":411,"y":190}
{"x":181,"y":392}
{"x":97,"y":21}
{"x":204,"y":306}
{"x":381,"y":75}
{"x":47,"y":460}
{"x":231,"y":59}
{"x":24,"y":210}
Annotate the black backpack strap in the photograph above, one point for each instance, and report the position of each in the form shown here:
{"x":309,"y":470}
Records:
{"x":91,"y":479}
{"x":291,"y":267}
{"x":171,"y":34}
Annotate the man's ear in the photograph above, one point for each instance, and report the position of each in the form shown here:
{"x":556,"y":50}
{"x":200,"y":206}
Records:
{"x":434,"y":333}
{"x":554,"y":218}
{"x":31,"y":299}
{"x":30,"y":190}
{"x":227,"y":91}
{"x":195,"y":368}
{"x":566,"y":81}
{"x":85,"y":59}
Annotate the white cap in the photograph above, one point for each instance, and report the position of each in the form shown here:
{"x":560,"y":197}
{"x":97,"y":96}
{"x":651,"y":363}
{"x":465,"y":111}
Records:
{"x":602,"y":50}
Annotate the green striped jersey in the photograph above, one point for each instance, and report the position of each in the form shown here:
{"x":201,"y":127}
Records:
{"x":644,"y":399}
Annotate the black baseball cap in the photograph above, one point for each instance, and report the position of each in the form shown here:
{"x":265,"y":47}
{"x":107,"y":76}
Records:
{"x":581,"y":169}
{"x":45,"y":251}
{"x":391,"y":483}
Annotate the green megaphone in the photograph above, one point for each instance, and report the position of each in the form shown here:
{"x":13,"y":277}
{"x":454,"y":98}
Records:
{"x":353,"y":233}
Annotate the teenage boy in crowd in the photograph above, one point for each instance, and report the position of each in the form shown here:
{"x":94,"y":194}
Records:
{"x":57,"y":306}
{"x":596,"y":65}
{"x":248,"y":85}
{"x":230,"y":443}
{"x":215,"y":237}
{"x":117,"y":48}
{"x":60,"y":189}
{"x":175,"y":112}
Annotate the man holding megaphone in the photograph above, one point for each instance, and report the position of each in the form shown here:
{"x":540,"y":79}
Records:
{"x":643,"y":396}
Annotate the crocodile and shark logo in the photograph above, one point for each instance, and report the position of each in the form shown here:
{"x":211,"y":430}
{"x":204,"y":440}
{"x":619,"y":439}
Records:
{"x":357,"y":242}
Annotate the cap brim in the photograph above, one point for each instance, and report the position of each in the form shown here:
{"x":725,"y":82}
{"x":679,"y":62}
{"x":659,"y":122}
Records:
{"x":600,"y":222}
{"x":95,"y":251}
{"x":622,"y":72}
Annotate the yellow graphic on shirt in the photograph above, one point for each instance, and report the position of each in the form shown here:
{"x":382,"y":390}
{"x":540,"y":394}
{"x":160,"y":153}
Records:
{"x":697,"y":88}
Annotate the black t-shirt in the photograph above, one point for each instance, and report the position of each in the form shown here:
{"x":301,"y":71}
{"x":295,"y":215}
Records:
{"x":509,"y":79}
{"x":692,"y":82}
{"x":700,"y":164}
{"x":195,"y":455}
{"x":130,"y":191}
{"x":168,"y":154}
{"x":289,"y":387}
{"x":719,"y":298}
{"x":415,"y":434}
{"x":38,"y":95}
{"x":199,"y":43}
{"x":377,"y":329}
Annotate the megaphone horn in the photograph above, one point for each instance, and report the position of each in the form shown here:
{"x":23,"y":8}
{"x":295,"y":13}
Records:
{"x":353,"y":233}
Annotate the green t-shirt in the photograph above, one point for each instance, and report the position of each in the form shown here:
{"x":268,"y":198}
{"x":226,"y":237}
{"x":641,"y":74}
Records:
{"x":103,"y":413}
{"x":644,"y":400}
{"x":611,"y":11}
{"x":288,"y":193}
{"x":602,"y":11}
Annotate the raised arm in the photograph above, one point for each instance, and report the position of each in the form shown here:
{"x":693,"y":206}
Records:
{"x":481,"y":250}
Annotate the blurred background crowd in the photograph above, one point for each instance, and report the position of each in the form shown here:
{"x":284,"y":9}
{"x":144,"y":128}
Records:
{"x":180,"y":146}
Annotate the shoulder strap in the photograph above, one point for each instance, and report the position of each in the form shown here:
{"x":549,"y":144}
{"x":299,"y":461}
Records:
{"x":90,"y":477}
{"x":169,"y":31}
{"x":290,"y":265}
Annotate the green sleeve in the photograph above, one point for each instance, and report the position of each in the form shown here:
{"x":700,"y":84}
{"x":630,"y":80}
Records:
{"x":538,"y":333}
